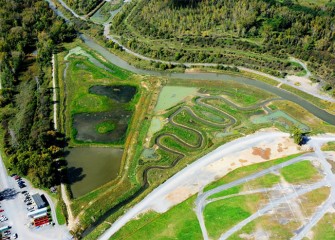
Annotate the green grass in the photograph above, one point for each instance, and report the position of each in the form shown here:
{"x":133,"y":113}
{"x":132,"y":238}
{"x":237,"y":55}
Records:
{"x":169,"y":225}
{"x":267,"y":181}
{"x":300,"y":172}
{"x":325,"y":228}
{"x":59,"y":214}
{"x":105,"y":127}
{"x":224,"y":214}
{"x":229,"y":191}
{"x":245,"y":171}
{"x":330,"y":146}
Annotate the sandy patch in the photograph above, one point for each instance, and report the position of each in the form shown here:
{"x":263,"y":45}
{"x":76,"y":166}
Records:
{"x":179,"y":194}
{"x":263,"y":153}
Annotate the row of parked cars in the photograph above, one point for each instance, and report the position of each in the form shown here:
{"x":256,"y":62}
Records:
{"x":19,"y":181}
{"x":7,"y":235}
{"x":28,"y":201}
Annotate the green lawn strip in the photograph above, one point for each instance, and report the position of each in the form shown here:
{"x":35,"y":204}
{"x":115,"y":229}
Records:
{"x":227,"y":192}
{"x":221,"y":215}
{"x":59,"y":214}
{"x":180,"y":222}
{"x":312,"y":200}
{"x":325,"y":229}
{"x":300,"y":172}
{"x":245,"y":171}
{"x":330,"y":146}
{"x":267,"y":181}
{"x":98,"y":231}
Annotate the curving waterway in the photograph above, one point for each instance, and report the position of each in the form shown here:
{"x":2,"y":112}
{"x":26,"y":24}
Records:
{"x":318,"y":112}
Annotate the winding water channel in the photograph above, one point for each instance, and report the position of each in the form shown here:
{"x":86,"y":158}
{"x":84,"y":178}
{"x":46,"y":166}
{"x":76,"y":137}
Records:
{"x":318,"y":112}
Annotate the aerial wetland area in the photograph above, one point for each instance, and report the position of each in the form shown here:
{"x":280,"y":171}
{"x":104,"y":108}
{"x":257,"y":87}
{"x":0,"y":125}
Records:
{"x":182,"y":119}
{"x":167,"y":119}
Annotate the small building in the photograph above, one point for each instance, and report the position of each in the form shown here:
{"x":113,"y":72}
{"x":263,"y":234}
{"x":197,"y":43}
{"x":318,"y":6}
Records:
{"x":37,"y":212}
{"x":40,"y":203}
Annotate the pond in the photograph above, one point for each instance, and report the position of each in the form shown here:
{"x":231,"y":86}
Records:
{"x":110,"y":126}
{"x":102,"y":127}
{"x":172,"y":95}
{"x":119,"y":93}
{"x":91,"y":167}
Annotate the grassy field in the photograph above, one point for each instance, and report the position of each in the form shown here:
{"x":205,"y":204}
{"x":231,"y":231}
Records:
{"x":151,"y":224}
{"x":329,"y":146}
{"x":223,"y":214}
{"x":325,"y":229}
{"x":301,"y":172}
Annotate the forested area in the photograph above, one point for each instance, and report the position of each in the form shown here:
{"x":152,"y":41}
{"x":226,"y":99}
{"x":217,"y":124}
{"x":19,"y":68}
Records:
{"x":29,"y":33}
{"x":82,"y":7}
{"x":254,"y":33}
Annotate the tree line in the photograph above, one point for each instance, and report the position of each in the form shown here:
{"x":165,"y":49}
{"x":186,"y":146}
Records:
{"x":249,"y":32}
{"x":29,"y":33}
{"x":83,"y":7}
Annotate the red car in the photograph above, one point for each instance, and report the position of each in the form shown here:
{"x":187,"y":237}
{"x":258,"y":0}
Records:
{"x":1,"y":210}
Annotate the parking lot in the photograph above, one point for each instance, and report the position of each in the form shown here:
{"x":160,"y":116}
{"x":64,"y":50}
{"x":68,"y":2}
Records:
{"x":16,"y":205}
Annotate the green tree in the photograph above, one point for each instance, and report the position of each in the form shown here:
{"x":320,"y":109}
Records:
{"x":297,"y":134}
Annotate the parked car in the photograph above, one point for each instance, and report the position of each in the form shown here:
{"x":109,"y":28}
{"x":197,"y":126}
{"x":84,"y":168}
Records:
{"x":16,"y":177}
{"x":14,"y":236}
{"x":24,"y":192}
{"x":1,"y":210}
{"x":29,"y":203}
